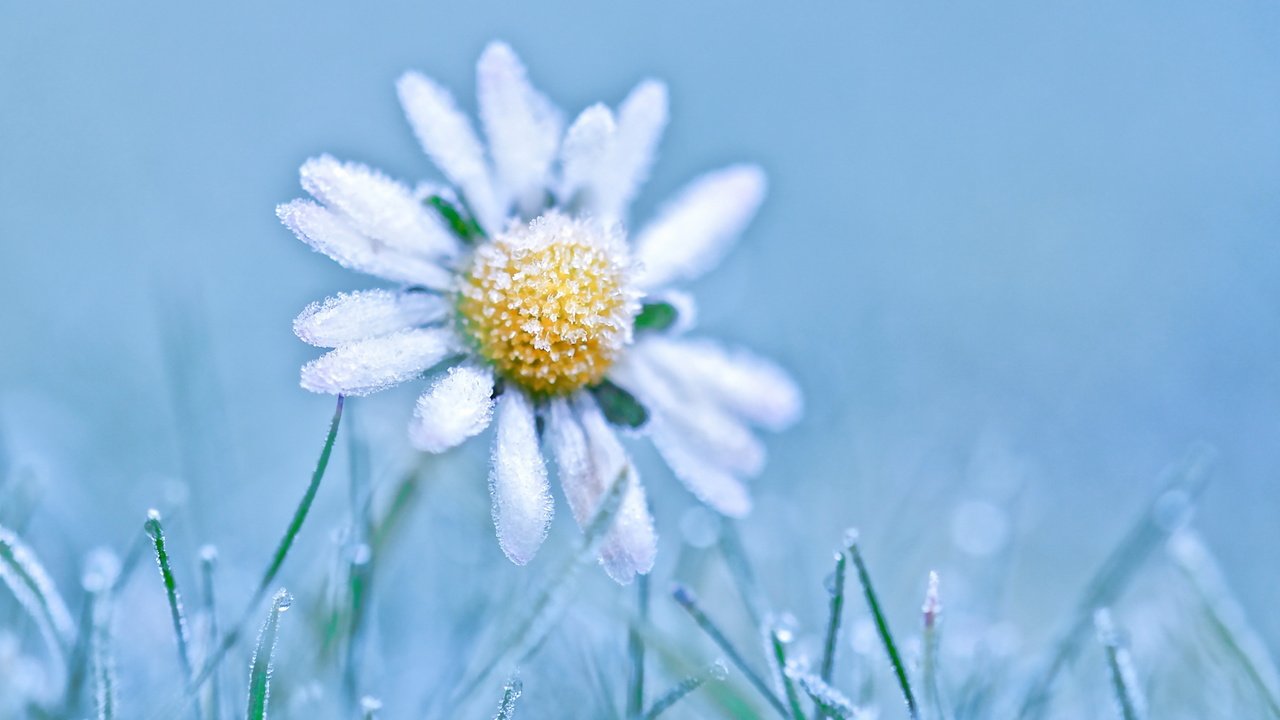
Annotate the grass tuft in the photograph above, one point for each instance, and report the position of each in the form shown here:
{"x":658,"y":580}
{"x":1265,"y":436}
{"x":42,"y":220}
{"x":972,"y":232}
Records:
{"x":155,"y":531}
{"x":262,"y":666}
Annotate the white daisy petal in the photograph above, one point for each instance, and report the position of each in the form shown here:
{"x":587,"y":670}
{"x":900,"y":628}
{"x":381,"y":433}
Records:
{"x":459,"y":405}
{"x":693,"y":232}
{"x":632,"y":545}
{"x":448,"y":138}
{"x":641,"y":119}
{"x":368,"y":366}
{"x":587,"y":147}
{"x":518,"y":480}
{"x":522,"y":125}
{"x":333,"y":235}
{"x":714,"y":486}
{"x":746,"y":384}
{"x":349,"y":317}
{"x":377,"y":206}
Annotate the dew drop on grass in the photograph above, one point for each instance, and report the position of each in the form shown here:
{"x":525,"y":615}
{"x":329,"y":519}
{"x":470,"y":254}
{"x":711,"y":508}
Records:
{"x":719,"y":670}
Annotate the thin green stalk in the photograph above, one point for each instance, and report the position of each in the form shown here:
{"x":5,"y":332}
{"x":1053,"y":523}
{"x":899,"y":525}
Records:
{"x":1164,"y":514}
{"x":261,"y":667}
{"x":685,"y":597}
{"x":832,"y":636}
{"x":155,"y":531}
{"x":882,"y":627}
{"x":208,"y":564}
{"x":510,"y":693}
{"x":778,"y":651}
{"x":1129,"y":700}
{"x":717,"y":671}
{"x":232,"y":636}
{"x":635,"y":649}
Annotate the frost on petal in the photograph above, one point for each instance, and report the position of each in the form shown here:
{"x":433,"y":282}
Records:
{"x":333,"y":235}
{"x":377,"y":206}
{"x":367,"y":366}
{"x":448,"y":138}
{"x":590,"y":459}
{"x":694,"y":230}
{"x":349,"y":317}
{"x":641,"y":119}
{"x":459,"y":405}
{"x":518,"y":480}
{"x":737,"y":380}
{"x":588,"y":146}
{"x":718,"y":488}
{"x":522,"y":125}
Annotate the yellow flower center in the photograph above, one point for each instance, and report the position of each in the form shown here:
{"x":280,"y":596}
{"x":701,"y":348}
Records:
{"x":549,"y":304}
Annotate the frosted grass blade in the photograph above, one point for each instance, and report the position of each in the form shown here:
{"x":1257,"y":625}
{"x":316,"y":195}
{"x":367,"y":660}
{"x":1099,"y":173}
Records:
{"x":155,"y":530}
{"x":1129,"y":700}
{"x":717,"y":671}
{"x":30,"y":584}
{"x":510,"y":693}
{"x":102,"y":568}
{"x":635,"y":649}
{"x":932,"y":617}
{"x":261,"y":667}
{"x":778,"y":655}
{"x":208,"y":564}
{"x":829,"y":701}
{"x":836,"y":590}
{"x":1165,"y":514}
{"x":882,"y":626}
{"x":685,"y":597}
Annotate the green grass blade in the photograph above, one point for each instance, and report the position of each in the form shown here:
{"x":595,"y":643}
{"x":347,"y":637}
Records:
{"x":1129,"y":700}
{"x":830,"y":701}
{"x":685,"y":597}
{"x":777,"y":651}
{"x":717,"y":671}
{"x":208,"y":564}
{"x":510,"y":693}
{"x":155,"y":530}
{"x":635,"y":650}
{"x":261,"y":667}
{"x":882,"y":626}
{"x":1225,"y":615}
{"x":30,"y":584}
{"x":233,"y":634}
{"x":1164,"y":514}
{"x":832,"y":636}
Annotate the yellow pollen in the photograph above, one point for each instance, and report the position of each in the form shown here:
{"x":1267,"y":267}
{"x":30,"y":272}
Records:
{"x":548,"y":304}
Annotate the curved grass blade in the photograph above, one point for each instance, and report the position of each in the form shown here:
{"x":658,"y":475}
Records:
{"x":1225,"y":615}
{"x":155,"y":530}
{"x":35,"y":591}
{"x":716,"y":671}
{"x":830,"y":701}
{"x":685,"y":597}
{"x":1129,"y":700}
{"x":232,"y":636}
{"x":261,"y":667}
{"x":510,"y":693}
{"x":1164,"y":514}
{"x":882,"y":626}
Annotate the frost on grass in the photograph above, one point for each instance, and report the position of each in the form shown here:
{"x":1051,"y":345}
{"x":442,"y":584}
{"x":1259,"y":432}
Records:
{"x":368,"y":366}
{"x":459,"y":405}
{"x":262,"y":664}
{"x":518,"y":480}
{"x":349,"y":317}
{"x":30,"y":584}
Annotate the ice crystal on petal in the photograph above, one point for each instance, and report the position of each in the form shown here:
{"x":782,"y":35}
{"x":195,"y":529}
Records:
{"x":334,"y":236}
{"x":458,"y":406}
{"x":368,"y":366}
{"x":737,"y":380}
{"x":377,"y":206}
{"x":349,"y":317}
{"x":641,"y":120}
{"x":448,"y":138}
{"x":522,"y":126}
{"x":693,"y":232}
{"x":587,"y":148}
{"x":518,"y":480}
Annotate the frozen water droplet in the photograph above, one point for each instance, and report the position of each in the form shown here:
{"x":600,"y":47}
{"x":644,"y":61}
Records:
{"x":718,"y":670}
{"x":850,"y":537}
{"x":153,"y":514}
{"x":283,"y":600}
{"x":361,"y":554}
{"x":368,"y":704}
{"x":829,"y":582}
{"x":785,"y":627}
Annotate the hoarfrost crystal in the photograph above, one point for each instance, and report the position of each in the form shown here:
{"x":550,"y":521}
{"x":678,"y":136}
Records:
{"x":520,"y":290}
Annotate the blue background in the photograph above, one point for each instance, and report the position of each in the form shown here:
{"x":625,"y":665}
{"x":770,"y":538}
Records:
{"x":1023,"y":253}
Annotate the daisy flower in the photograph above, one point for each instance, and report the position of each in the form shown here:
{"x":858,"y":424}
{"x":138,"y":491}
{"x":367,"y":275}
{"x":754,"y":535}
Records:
{"x":524,"y":299}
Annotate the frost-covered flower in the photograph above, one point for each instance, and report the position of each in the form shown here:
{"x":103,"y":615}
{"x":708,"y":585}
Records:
{"x":522,"y":296}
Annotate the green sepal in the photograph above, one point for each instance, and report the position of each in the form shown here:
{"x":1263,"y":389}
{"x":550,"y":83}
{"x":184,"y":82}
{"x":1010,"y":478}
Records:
{"x":461,"y":223}
{"x":656,"y":316}
{"x":619,"y":406}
